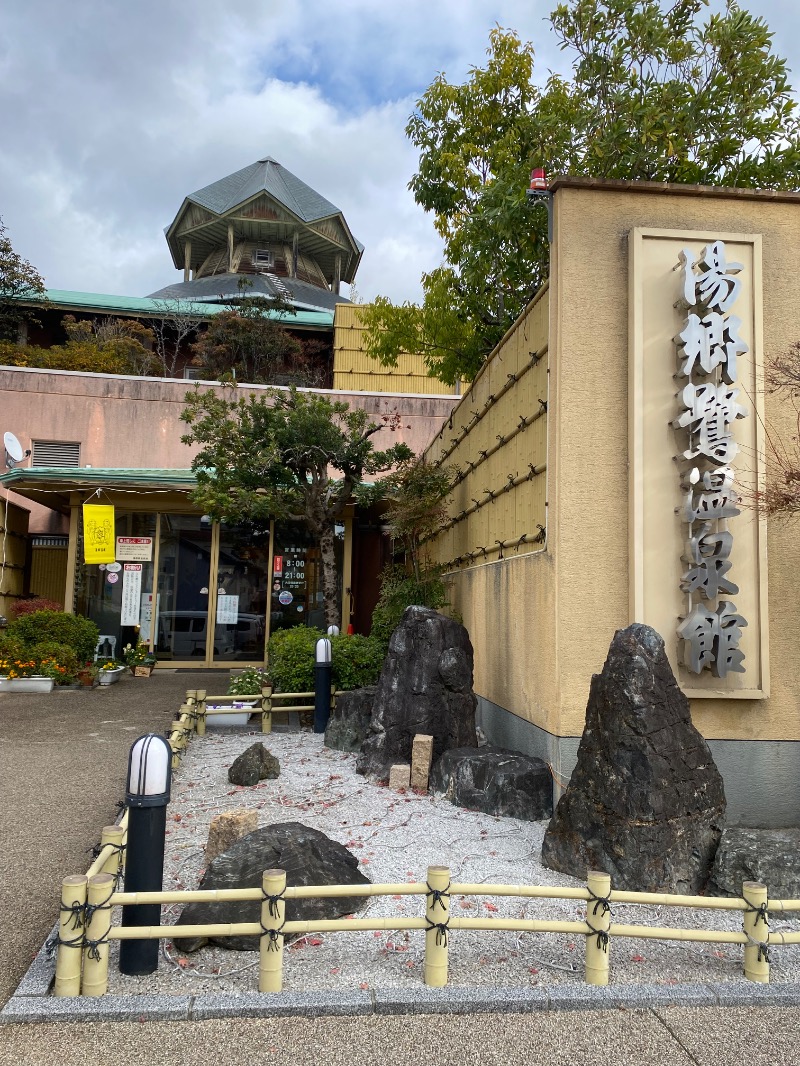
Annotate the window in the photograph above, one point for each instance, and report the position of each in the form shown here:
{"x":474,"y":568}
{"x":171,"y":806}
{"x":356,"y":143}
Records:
{"x":56,"y":453}
{"x":263,"y":257}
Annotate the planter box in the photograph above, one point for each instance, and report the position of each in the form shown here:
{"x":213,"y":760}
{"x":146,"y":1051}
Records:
{"x":109,"y":677}
{"x":142,"y":671}
{"x":26,"y":684}
{"x":240,"y":717}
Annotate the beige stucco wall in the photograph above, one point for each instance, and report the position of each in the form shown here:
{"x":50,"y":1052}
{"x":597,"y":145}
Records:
{"x":588,"y":500}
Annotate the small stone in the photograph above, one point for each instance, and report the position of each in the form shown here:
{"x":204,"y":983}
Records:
{"x":227,"y":828}
{"x":254,"y":765}
{"x":400,"y":776}
{"x":421,"y":755}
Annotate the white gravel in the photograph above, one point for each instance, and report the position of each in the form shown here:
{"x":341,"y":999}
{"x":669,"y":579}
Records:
{"x":396,"y":837}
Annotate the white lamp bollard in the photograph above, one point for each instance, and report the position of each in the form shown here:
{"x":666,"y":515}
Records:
{"x":147,"y":796}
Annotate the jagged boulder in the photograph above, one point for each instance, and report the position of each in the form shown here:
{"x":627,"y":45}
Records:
{"x":495,"y":781}
{"x":771,"y":856}
{"x":348,"y":725}
{"x":425,"y":687}
{"x":645,"y":802}
{"x":308,"y":857}
{"x":253,"y":765}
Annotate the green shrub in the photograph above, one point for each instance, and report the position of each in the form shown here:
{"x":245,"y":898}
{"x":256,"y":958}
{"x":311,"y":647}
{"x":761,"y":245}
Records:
{"x":248,"y":682}
{"x":56,"y":627}
{"x":62,"y":655}
{"x":357,"y":661}
{"x":291,"y":658}
{"x":398,"y":591}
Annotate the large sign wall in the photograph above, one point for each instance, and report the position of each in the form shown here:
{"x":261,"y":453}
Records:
{"x":697,"y":542}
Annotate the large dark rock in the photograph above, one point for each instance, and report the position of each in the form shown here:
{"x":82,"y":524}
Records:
{"x":348,"y":725}
{"x":771,"y":856}
{"x":645,"y":802}
{"x":253,"y":765}
{"x":495,"y":781}
{"x":308,"y":857}
{"x":425,"y":687}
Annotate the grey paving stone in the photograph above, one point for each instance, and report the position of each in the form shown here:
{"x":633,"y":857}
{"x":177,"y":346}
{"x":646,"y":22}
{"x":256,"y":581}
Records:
{"x":652,"y":996}
{"x":95,"y":1009}
{"x":39,"y":976}
{"x":750,"y":994}
{"x":454,"y":1000}
{"x":281,"y":1004}
{"x":586,"y":997}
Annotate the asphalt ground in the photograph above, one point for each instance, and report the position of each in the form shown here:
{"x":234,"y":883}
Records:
{"x":63,"y":759}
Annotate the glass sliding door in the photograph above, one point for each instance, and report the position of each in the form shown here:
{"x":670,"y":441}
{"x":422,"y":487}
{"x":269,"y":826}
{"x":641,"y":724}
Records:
{"x":242,"y":583}
{"x":185,"y":554}
{"x":116,"y":596}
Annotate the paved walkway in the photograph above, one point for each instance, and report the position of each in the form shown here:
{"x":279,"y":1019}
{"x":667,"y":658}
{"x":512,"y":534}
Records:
{"x":62,"y":766}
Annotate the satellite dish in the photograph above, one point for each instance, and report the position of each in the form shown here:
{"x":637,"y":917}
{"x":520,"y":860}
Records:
{"x":14,"y":450}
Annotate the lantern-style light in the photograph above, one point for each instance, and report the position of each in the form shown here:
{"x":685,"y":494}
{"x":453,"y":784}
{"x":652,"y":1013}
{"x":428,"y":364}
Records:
{"x":538,"y":180}
{"x":333,"y":631}
{"x":149,"y":772}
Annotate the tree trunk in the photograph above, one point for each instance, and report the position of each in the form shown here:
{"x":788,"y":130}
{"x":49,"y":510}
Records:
{"x":330,"y":583}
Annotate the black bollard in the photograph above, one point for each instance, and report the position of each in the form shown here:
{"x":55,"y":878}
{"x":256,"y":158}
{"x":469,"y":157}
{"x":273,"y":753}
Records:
{"x":149,"y":772}
{"x":322,"y":685}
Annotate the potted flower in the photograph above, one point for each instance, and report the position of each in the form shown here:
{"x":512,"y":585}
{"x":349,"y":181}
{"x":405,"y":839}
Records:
{"x":139,"y":659}
{"x":87,"y":675}
{"x":110,"y":672}
{"x":25,"y":674}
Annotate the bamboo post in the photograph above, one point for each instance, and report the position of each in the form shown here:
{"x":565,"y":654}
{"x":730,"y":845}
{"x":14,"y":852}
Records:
{"x":266,"y":708}
{"x":437,"y":915}
{"x":114,"y":835}
{"x":70,"y":935}
{"x":95,"y":951}
{"x":273,"y":912}
{"x":200,"y":720}
{"x":598,"y":918}
{"x":756,"y":928}
{"x":191,"y":695}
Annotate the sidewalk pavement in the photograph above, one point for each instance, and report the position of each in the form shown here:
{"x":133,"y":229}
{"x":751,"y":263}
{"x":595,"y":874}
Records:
{"x":63,"y":759}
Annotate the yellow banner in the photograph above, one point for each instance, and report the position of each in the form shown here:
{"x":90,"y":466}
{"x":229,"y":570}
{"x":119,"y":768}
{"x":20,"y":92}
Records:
{"x":99,"y":544}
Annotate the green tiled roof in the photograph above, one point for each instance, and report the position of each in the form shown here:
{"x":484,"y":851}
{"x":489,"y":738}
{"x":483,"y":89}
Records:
{"x":145,"y":305}
{"x":92,"y":476}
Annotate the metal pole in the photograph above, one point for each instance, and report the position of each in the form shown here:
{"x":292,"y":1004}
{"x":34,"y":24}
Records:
{"x":144,"y":873}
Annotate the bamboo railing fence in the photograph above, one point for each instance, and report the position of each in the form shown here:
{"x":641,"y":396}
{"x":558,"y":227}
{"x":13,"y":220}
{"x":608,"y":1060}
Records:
{"x":86,"y":930}
{"x":198,"y":705}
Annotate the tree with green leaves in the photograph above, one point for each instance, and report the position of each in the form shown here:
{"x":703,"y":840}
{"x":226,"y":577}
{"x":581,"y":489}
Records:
{"x":18,"y":281}
{"x":289,"y":455}
{"x":659,"y":91}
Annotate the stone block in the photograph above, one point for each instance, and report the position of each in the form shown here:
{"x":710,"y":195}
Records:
{"x":400,"y":776}
{"x":495,"y":781}
{"x":227,"y":828}
{"x":421,"y":755}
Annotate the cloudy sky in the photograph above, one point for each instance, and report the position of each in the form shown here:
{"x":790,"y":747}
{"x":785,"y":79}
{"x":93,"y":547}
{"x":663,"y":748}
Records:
{"x":112,"y":113}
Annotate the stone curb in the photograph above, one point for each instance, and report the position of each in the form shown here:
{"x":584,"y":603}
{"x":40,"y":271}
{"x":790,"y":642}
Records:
{"x":449,"y":1000}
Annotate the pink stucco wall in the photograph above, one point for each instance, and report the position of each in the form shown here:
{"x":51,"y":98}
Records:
{"x":135,"y":422}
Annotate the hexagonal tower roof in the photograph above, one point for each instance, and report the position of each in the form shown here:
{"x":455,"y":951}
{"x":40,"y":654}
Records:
{"x":265,"y":224}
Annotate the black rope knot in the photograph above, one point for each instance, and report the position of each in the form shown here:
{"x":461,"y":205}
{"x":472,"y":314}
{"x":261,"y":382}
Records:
{"x":272,"y":908}
{"x":75,"y":909}
{"x":441,"y":932}
{"x":602,"y":937}
{"x":761,"y":911}
{"x":599,"y":901}
{"x":439,"y":894}
{"x":94,"y":946}
{"x":763,"y":952}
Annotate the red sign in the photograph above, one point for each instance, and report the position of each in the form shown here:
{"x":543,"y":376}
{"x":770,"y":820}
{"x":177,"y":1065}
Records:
{"x":277,"y":564}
